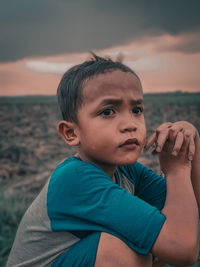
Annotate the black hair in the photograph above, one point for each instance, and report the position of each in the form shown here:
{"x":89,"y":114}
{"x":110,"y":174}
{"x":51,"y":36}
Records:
{"x":69,"y":90}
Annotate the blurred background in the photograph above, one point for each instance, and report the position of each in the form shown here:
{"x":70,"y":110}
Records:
{"x":40,"y":40}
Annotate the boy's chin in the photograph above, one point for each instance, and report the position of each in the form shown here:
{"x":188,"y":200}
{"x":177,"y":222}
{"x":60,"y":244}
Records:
{"x":127,"y":161}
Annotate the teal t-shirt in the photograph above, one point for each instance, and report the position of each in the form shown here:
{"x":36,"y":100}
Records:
{"x":80,"y":199}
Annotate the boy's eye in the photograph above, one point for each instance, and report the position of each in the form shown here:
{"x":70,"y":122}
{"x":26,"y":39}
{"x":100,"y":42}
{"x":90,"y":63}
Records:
{"x":137,"y":110}
{"x":107,"y":112}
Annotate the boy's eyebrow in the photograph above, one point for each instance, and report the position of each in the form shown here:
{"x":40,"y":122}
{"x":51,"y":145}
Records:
{"x":137,"y":101}
{"x":117,"y":102}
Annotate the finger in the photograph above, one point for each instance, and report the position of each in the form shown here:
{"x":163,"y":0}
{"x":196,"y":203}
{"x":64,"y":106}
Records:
{"x":162,"y":134}
{"x":191,"y":149}
{"x":162,"y":137}
{"x":178,"y":143}
{"x":153,"y":137}
{"x":167,"y":124}
{"x":150,"y":141}
{"x":187,"y":135}
{"x":164,"y":126}
{"x":174,"y":130}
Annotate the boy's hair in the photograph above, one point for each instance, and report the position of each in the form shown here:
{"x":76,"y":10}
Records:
{"x":69,"y":90}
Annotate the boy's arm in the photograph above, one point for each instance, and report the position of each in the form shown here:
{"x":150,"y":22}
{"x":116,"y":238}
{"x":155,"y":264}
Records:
{"x":176,"y":130}
{"x":177,"y":242}
{"x":195,"y":174}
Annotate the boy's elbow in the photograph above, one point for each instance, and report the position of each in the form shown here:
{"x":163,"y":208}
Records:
{"x":193,"y":252}
{"x":193,"y":259}
{"x":180,"y":251}
{"x":183,"y":256}
{"x":190,"y":257}
{"x":188,"y":253}
{"x":192,"y":246}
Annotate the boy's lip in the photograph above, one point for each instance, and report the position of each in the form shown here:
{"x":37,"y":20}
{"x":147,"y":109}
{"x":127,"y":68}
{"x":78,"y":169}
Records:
{"x":130,"y":141}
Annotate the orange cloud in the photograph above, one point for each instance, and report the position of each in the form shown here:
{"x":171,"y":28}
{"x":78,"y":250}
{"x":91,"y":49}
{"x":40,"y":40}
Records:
{"x":16,"y":80}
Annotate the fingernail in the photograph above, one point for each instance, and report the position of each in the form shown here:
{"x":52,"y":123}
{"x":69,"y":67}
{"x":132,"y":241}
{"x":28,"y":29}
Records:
{"x":174,"y":153}
{"x":190,"y":157}
{"x":158,"y":148}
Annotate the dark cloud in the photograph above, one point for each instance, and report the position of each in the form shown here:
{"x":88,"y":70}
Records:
{"x":35,"y":27}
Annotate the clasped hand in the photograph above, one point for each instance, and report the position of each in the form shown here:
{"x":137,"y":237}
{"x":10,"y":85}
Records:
{"x":174,"y":143}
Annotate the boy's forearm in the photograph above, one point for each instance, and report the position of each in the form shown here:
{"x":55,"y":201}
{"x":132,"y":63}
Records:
{"x":178,"y":240}
{"x":195,"y":174}
{"x":181,"y":206}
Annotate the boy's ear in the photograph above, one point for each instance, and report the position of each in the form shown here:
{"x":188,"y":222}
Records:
{"x":68,"y":132}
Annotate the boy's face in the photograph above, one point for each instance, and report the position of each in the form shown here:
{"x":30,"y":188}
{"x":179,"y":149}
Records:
{"x":111,"y":127}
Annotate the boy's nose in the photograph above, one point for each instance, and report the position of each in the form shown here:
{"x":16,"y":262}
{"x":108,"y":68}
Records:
{"x":129,"y":129}
{"x":128,"y":125}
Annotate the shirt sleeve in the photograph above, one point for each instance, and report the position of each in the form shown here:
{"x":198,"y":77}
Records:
{"x":82,"y":198}
{"x":148,"y":185}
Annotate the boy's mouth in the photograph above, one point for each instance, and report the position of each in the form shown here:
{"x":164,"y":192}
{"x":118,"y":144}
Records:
{"x":130,"y":142}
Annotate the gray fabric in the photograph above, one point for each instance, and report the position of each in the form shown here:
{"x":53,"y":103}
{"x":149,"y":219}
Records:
{"x":126,"y":183}
{"x":35,"y":244}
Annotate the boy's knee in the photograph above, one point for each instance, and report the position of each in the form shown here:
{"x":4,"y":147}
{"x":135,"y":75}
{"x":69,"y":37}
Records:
{"x":114,"y":252}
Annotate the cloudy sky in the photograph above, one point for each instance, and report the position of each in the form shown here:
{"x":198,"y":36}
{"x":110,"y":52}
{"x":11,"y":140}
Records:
{"x":39,"y":40}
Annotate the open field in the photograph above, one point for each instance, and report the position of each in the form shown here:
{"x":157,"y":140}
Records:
{"x":166,"y":98}
{"x":31,"y":148}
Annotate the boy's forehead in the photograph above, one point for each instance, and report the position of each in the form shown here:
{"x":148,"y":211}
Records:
{"x":110,"y":83}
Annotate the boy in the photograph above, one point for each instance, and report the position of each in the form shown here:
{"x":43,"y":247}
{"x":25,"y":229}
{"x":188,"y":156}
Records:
{"x":101,"y":207}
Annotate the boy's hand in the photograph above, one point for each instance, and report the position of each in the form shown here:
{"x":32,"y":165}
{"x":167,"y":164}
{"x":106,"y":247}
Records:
{"x":170,"y":163}
{"x":178,"y":133}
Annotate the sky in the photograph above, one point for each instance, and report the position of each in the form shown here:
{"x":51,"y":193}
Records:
{"x":40,"y":40}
